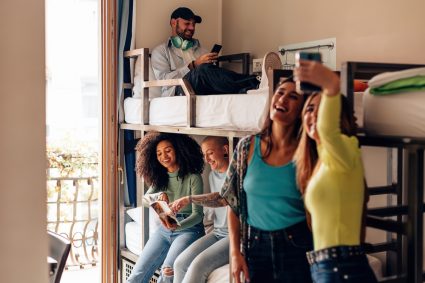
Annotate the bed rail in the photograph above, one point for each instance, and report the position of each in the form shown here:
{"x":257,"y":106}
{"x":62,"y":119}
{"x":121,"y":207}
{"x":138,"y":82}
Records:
{"x":365,"y":71}
{"x":404,"y":228}
{"x":184,"y":84}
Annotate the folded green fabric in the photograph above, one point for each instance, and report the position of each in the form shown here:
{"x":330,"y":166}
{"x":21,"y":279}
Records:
{"x":416,"y":83}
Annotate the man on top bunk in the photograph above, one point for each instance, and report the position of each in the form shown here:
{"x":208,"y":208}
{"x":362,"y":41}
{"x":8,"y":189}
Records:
{"x":182,"y":56}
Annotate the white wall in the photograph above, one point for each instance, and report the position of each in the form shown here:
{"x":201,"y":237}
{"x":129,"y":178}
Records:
{"x":153,"y":21}
{"x":378,"y":30}
{"x":23,"y":241}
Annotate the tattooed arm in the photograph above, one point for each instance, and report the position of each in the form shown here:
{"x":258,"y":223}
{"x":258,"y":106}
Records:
{"x":208,"y":200}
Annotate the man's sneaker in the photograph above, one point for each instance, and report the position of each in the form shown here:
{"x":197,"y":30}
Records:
{"x":271,"y":62}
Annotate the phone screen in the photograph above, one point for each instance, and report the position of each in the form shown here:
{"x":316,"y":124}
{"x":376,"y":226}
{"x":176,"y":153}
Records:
{"x":306,"y":88}
{"x":216,"y":48}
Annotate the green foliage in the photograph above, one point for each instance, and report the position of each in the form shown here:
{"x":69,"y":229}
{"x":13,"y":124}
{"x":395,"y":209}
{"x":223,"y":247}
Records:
{"x":78,"y":160}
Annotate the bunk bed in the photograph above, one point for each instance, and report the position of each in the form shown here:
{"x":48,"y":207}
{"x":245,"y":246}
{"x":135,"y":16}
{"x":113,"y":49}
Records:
{"x":404,"y":251}
{"x":402,"y":219}
{"x":190,"y":111}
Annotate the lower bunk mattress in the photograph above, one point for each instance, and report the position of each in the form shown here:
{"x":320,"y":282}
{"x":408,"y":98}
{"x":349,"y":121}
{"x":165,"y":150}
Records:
{"x":395,"y":114}
{"x":229,"y":111}
{"x":133,"y":240}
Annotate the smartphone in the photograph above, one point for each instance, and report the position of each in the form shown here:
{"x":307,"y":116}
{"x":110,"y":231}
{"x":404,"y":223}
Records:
{"x":302,"y":87}
{"x":216,"y":48}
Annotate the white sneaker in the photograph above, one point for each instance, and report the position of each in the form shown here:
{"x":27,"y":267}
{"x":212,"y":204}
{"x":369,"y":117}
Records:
{"x":271,"y":62}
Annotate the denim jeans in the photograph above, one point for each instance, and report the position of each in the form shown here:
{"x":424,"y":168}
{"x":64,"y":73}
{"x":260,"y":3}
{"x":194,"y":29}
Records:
{"x":196,"y":263}
{"x":211,"y":79}
{"x":354,"y":269}
{"x":279,"y":256}
{"x":162,"y":248}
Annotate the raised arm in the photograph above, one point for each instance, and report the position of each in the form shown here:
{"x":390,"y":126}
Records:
{"x":339,"y":147}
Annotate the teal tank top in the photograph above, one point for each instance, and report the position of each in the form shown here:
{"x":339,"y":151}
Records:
{"x":273,"y":199}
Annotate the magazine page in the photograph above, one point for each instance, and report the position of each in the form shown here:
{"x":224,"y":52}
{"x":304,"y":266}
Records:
{"x":161,"y":208}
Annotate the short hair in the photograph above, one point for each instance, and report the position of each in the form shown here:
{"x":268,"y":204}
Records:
{"x":188,"y":156}
{"x":221,"y":141}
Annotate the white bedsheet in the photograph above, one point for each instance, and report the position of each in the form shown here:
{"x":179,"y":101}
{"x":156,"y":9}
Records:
{"x":395,"y":114}
{"x":234,"y":111}
{"x":219,"y":275}
{"x":133,"y":237}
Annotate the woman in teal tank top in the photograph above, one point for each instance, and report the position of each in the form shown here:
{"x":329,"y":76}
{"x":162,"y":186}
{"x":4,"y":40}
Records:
{"x":268,"y":232}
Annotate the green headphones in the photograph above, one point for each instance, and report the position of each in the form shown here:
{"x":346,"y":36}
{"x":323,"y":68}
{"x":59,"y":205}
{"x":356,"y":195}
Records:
{"x":179,"y":42}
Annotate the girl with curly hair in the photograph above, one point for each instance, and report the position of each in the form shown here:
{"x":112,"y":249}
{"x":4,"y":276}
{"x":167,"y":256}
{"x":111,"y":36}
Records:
{"x":171,"y":164}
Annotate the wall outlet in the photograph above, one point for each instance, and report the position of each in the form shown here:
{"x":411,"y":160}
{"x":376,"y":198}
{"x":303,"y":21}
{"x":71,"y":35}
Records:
{"x":257,"y":64}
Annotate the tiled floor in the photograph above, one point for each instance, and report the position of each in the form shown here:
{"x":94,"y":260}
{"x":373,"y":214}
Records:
{"x":86,"y":275}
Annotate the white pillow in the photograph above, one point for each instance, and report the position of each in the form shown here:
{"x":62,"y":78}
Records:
{"x":387,"y":77}
{"x":137,"y":81}
{"x":136,"y":214}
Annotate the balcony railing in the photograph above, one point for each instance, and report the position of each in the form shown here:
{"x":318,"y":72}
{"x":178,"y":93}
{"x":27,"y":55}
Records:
{"x":72,"y":211}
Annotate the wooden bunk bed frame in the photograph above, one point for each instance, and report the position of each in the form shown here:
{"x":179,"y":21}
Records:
{"x":189,"y":129}
{"x":405,"y":250}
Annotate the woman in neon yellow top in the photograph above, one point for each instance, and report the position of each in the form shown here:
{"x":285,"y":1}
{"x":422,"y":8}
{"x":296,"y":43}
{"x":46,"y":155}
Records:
{"x":330,"y":170}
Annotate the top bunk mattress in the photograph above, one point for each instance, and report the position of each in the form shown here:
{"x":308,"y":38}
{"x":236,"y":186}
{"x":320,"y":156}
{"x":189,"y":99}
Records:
{"x":228,"y":111}
{"x":395,"y":115}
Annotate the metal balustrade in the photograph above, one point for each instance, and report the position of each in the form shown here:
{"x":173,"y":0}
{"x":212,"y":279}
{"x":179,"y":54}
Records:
{"x":72,"y":211}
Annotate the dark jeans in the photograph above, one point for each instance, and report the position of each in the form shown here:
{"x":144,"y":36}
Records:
{"x":279,"y":256}
{"x":211,"y":79}
{"x":353,"y":269}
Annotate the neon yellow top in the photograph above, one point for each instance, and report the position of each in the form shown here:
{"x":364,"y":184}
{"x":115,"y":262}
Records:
{"x":335,"y":193}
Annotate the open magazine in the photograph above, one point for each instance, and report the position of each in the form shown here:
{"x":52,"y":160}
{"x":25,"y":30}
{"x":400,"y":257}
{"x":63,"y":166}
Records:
{"x":161,"y":208}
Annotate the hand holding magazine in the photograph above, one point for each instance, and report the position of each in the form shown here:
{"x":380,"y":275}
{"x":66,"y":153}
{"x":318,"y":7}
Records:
{"x":166,"y":215}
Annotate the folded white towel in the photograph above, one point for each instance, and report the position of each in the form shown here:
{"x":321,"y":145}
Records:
{"x":387,"y":77}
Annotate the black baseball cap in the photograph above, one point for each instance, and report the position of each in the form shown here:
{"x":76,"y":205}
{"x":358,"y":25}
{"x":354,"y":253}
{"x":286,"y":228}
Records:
{"x":185,"y":13}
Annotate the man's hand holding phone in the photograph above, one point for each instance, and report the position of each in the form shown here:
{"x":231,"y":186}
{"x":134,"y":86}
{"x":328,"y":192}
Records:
{"x":208,"y":58}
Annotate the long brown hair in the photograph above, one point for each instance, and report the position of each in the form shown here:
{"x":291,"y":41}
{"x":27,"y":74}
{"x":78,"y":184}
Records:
{"x":266,"y":130}
{"x":306,"y":156}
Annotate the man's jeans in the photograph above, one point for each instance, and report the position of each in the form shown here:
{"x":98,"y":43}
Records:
{"x":211,"y":79}
{"x":196,"y":263}
{"x":279,"y":256}
{"x":354,"y":269}
{"x":162,"y":248}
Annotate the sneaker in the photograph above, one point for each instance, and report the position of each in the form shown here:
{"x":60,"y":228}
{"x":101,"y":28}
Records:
{"x":271,"y":62}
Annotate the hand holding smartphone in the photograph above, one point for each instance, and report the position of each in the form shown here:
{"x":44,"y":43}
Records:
{"x":303,"y":87}
{"x":216,"y":48}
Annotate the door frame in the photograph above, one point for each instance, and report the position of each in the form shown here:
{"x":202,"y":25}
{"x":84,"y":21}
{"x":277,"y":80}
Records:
{"x":109,"y":236}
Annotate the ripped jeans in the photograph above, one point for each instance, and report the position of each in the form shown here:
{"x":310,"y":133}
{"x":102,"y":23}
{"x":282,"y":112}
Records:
{"x":162,"y":249}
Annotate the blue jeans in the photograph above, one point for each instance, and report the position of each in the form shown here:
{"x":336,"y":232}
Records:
{"x":196,"y":263}
{"x":279,"y":256}
{"x":354,"y":269}
{"x":162,"y":248}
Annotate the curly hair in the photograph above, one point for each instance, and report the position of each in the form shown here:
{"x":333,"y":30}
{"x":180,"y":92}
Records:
{"x":188,"y":156}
